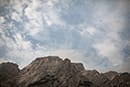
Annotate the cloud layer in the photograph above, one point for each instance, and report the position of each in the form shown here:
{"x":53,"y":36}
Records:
{"x":93,"y":32}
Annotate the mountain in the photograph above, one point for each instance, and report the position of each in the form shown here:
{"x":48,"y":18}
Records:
{"x":52,"y":71}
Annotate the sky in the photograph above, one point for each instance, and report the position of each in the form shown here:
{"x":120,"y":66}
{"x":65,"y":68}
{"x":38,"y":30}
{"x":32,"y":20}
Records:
{"x":93,"y":32}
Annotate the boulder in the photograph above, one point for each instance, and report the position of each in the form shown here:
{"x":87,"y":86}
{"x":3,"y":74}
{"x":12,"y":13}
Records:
{"x":8,"y":73}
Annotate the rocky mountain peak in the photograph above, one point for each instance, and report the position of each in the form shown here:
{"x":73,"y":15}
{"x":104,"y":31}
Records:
{"x":53,"y":71}
{"x":50,"y":69}
{"x":111,"y":74}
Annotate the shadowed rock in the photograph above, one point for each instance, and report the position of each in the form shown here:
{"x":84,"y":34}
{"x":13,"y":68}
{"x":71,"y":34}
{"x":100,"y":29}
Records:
{"x":95,"y":77}
{"x":111,"y":74}
{"x":8,"y":72}
{"x":51,"y":71}
{"x":121,"y":80}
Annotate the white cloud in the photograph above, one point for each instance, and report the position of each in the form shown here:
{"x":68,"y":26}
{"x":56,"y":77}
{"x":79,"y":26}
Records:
{"x":33,"y":27}
{"x":17,"y":5}
{"x":25,"y":56}
{"x":112,"y":25}
{"x":31,"y":11}
{"x":21,"y":43}
{"x":19,"y":49}
{"x":90,"y":30}
{"x":8,"y":42}
{"x":111,"y":20}
{"x":16,"y":16}
{"x":52,"y":17}
{"x":49,"y":13}
{"x":111,"y":51}
{"x":47,"y":20}
{"x":39,"y":18}
{"x":2,"y":20}
{"x":50,"y":3}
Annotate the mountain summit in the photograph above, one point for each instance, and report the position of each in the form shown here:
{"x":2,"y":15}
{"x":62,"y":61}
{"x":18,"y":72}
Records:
{"x":52,"y":71}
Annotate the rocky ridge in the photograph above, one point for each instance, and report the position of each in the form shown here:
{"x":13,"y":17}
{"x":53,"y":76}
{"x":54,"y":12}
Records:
{"x":52,"y":71}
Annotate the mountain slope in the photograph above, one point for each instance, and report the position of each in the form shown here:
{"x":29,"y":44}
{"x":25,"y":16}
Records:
{"x":52,"y":71}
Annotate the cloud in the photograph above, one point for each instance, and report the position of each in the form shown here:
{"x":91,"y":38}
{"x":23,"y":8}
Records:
{"x":21,"y":43}
{"x":51,"y":13}
{"x":19,"y":49}
{"x":3,"y":3}
{"x":52,"y":17}
{"x":30,"y":10}
{"x":26,"y":56}
{"x":33,"y":27}
{"x":111,"y":51}
{"x":50,"y":3}
{"x":111,"y":25}
{"x":2,"y":20}
{"x":90,"y":30}
{"x":125,"y":66}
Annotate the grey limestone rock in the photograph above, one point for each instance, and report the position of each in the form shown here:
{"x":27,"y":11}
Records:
{"x":52,"y":71}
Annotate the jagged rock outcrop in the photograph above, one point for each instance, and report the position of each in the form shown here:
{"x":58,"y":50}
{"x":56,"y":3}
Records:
{"x":120,"y":80}
{"x":111,"y":74}
{"x":85,"y":82}
{"x":95,"y":77}
{"x":8,"y":72}
{"x":52,"y":71}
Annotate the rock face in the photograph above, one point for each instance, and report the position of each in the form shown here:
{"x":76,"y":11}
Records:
{"x":52,"y":71}
{"x":8,"y":71}
{"x":95,"y":77}
{"x":121,"y":80}
{"x":111,"y":74}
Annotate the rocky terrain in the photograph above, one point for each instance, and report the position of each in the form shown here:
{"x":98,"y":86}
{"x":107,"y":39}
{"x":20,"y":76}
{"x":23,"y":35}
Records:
{"x":8,"y":73}
{"x":52,"y":71}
